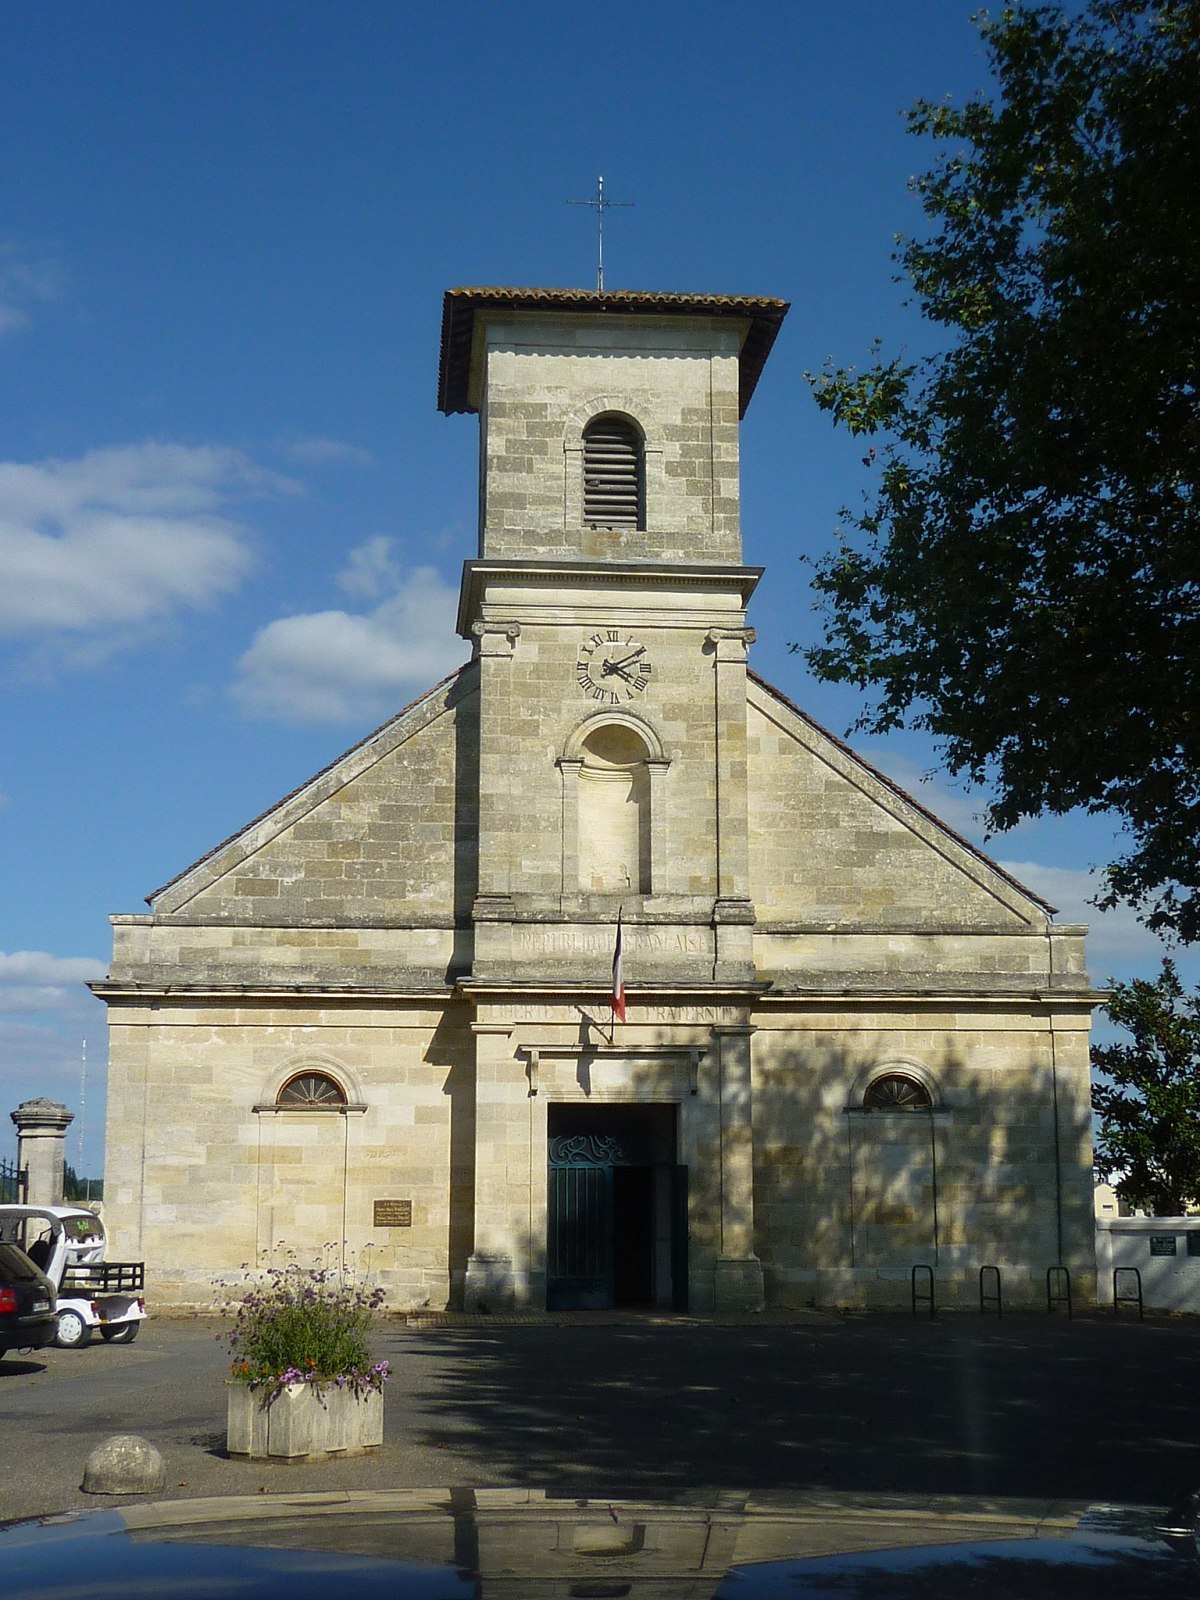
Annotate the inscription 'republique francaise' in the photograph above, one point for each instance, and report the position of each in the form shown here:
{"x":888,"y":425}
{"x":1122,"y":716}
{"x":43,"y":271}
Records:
{"x":666,"y":1016}
{"x":586,"y":942}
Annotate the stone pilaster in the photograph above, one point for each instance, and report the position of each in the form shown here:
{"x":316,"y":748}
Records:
{"x":733,"y":912}
{"x":41,"y":1146}
{"x":495,"y":646}
{"x":569,"y":771}
{"x":507,"y":1266}
{"x":738,"y":1278}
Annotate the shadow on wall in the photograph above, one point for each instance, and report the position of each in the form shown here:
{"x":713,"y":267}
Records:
{"x":996,"y":1172}
{"x":846,"y":1201}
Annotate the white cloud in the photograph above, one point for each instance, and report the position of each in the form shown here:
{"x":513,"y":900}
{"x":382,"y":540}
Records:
{"x":33,"y":981}
{"x":12,"y":318}
{"x":24,"y":280}
{"x":1118,"y":945}
{"x":342,"y":666}
{"x":96,"y":548}
{"x":372,"y":570}
{"x":320,"y":452}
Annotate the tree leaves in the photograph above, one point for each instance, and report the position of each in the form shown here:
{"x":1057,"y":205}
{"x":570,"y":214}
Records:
{"x":1024,"y":582}
{"x":1147,"y":1095}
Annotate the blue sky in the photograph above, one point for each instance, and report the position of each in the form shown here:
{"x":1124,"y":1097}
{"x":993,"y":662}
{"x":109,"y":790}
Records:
{"x":231,"y":517}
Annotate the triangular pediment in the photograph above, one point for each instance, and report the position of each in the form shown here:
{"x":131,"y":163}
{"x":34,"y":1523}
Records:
{"x":379,"y":828}
{"x":835,"y":842}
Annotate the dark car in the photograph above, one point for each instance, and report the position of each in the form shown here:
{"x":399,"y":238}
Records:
{"x":27,"y":1308}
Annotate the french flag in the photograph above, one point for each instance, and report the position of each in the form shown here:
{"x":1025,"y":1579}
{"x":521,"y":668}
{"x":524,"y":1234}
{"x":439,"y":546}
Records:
{"x":618,"y":978}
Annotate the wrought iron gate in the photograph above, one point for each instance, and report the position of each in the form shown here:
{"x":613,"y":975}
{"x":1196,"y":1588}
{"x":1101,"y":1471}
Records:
{"x":583,"y":1218}
{"x":14,"y":1183}
{"x":579,"y":1265}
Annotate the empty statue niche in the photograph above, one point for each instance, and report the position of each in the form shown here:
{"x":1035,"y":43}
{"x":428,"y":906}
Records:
{"x":614,"y":813}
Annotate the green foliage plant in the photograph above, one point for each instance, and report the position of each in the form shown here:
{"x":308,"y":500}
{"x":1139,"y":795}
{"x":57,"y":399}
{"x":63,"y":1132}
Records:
{"x":295,"y":1324}
{"x":1022,"y":579}
{"x":1146,"y":1095}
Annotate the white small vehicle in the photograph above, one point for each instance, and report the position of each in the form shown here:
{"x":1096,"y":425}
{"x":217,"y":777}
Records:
{"x":68,"y":1244}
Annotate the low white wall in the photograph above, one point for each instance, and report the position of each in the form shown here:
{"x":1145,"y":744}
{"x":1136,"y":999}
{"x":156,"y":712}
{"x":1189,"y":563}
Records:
{"x":1160,"y":1248}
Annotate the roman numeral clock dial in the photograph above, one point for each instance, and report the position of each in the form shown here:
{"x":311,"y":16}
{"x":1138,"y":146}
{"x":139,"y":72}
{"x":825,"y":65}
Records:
{"x":611,"y":668}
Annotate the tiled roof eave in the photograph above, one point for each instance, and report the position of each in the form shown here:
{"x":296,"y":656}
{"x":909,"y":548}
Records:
{"x":460,"y":307}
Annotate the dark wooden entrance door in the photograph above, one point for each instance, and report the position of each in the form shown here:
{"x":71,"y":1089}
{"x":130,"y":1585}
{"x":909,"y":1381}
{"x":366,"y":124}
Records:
{"x":616,"y":1232}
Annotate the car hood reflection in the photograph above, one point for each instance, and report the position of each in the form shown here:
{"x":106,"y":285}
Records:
{"x":450,"y":1544}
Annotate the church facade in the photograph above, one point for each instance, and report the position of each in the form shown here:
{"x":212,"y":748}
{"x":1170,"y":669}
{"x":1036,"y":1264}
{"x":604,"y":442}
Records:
{"x":379,"y":1019}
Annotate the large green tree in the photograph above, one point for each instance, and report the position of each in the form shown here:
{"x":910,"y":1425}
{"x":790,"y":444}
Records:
{"x":1146,"y":1095}
{"x":1023,"y":579}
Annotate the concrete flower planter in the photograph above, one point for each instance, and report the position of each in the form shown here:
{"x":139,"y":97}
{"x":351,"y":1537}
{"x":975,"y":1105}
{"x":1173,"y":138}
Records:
{"x":302,"y":1422}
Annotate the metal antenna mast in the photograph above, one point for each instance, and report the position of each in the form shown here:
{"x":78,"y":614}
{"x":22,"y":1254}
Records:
{"x":600,"y":205}
{"x":82,"y":1108}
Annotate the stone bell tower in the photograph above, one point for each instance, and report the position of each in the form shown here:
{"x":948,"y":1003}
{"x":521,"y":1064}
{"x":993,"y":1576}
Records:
{"x":608,"y":612}
{"x":607,"y":607}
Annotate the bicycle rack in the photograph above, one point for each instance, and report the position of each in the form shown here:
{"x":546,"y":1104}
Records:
{"x":989,"y":1291}
{"x":923,"y":1295}
{"x":1133,"y":1299}
{"x":1058,"y":1290}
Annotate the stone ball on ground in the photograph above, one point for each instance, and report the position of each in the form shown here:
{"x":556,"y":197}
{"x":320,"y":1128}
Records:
{"x":124,"y":1464}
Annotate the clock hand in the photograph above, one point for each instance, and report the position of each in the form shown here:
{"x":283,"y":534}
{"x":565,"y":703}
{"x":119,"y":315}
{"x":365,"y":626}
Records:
{"x":625,"y":660}
{"x":616,"y":669}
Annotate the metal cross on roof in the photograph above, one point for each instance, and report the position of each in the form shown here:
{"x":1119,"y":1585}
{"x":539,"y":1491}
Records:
{"x":600,"y":205}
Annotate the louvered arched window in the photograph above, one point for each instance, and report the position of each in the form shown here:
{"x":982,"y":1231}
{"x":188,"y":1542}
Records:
{"x":614,"y":480}
{"x":896,"y":1091}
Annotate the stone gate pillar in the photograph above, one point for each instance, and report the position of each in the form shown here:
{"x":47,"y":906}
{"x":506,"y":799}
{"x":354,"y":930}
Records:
{"x":41,"y":1148}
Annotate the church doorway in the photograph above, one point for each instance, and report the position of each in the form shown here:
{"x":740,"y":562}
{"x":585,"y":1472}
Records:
{"x":617,"y":1208}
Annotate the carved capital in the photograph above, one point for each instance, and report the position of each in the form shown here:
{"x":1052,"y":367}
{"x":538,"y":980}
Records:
{"x":495,"y":638}
{"x":731,"y":644}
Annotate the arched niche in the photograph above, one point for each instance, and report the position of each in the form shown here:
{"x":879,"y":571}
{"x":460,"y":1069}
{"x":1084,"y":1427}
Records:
{"x":612,"y":770}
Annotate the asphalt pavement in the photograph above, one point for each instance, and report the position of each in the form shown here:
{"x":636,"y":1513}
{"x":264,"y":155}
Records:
{"x":1101,"y":1409}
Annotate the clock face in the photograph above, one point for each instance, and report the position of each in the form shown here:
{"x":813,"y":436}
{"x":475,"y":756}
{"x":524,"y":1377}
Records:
{"x":612,"y":668}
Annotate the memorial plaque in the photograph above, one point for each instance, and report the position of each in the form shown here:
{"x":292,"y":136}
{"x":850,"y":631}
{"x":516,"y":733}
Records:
{"x":393,"y":1214}
{"x":1162,"y":1244}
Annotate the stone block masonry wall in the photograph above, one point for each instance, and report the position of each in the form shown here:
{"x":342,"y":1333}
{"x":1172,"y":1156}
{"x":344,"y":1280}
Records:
{"x":847,"y":1202}
{"x":384,"y":844}
{"x":830,"y":844}
{"x":206,"y":1175}
{"x":547,"y":378}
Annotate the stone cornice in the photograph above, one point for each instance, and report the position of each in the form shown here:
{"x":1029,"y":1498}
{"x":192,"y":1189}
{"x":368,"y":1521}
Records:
{"x":838,"y":993}
{"x":510,"y":988}
{"x":759,"y":993}
{"x":110,"y":989}
{"x":559,"y":577}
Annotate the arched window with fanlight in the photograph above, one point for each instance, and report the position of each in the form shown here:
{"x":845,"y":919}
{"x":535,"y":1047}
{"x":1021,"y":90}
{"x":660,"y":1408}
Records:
{"x":311,"y":1091}
{"x":614,"y":475}
{"x":896,"y":1091}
